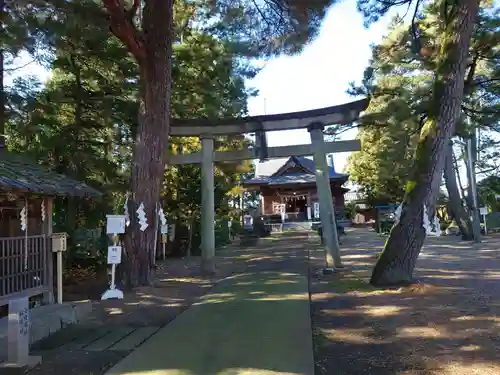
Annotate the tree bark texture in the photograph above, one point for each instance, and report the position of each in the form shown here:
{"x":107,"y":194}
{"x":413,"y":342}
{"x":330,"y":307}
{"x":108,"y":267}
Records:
{"x":152,"y":48}
{"x":396,"y":263}
{"x":457,"y":210}
{"x":3,"y":118}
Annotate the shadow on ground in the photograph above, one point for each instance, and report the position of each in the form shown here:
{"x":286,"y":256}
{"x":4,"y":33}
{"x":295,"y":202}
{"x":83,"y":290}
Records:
{"x":448,"y":325}
{"x":250,"y":323}
{"x":94,"y":346}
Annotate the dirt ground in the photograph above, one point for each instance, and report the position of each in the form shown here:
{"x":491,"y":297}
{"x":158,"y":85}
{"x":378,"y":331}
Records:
{"x":448,"y":325}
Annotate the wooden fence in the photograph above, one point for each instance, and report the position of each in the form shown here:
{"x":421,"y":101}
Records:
{"x":25,"y":267}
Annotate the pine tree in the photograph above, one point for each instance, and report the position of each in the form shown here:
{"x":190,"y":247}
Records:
{"x":402,"y":248}
{"x":400,"y":88}
{"x":83,"y":122}
{"x":147,"y":30}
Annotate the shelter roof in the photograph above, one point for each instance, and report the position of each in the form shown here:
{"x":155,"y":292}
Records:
{"x":18,"y":173}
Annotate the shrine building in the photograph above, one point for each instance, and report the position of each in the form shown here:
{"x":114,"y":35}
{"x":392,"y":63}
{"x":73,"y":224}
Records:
{"x":289,"y":185}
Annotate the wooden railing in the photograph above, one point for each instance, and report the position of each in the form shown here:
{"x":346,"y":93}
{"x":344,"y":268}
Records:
{"x":25,"y":267}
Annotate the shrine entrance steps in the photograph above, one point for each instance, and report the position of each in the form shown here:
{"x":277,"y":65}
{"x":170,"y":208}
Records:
{"x":292,"y":226}
{"x":298,"y":226}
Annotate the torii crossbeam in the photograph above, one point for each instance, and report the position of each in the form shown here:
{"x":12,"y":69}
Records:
{"x":339,"y":114}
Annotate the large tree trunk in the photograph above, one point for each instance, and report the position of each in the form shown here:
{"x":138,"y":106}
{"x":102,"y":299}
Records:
{"x":457,"y":210}
{"x":398,"y":259}
{"x":152,"y":138}
{"x":3,"y":120}
{"x":152,"y":48}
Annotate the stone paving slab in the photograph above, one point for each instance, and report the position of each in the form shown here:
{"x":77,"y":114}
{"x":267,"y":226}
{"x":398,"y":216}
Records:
{"x":109,"y":340}
{"x":135,"y":339}
{"x":88,"y":339}
{"x":254,"y":323}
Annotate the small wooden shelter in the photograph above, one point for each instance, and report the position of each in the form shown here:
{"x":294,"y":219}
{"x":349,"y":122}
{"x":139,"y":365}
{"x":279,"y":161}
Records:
{"x":26,"y":194}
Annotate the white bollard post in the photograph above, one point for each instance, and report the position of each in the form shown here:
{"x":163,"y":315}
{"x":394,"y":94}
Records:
{"x":18,"y":358}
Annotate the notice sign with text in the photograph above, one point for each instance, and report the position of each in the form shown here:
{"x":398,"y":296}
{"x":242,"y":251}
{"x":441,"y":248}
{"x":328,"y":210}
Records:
{"x":115,"y":224}
{"x":114,"y":254}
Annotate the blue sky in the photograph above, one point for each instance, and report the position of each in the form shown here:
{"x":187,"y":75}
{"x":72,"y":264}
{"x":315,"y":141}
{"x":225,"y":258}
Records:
{"x":320,"y":75}
{"x":316,"y":78}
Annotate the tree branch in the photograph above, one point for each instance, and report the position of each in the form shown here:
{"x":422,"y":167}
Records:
{"x":19,"y":66}
{"x":123,"y":28}
{"x":490,"y":169}
{"x":487,"y":81}
{"x":482,"y":112}
{"x":470,"y":76}
{"x":133,"y":11}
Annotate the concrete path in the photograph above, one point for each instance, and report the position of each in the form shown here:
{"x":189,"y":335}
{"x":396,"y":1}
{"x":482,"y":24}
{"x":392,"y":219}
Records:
{"x":256,"y":322}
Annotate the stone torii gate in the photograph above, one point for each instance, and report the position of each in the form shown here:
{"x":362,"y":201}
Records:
{"x":314,"y":120}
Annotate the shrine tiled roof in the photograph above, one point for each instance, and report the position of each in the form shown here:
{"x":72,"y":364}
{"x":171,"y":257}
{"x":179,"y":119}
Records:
{"x":267,"y":173}
{"x":302,"y":178}
{"x":17,"y":173}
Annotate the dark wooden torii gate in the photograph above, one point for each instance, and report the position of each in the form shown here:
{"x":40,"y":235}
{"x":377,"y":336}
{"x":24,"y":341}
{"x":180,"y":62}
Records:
{"x":313,"y":120}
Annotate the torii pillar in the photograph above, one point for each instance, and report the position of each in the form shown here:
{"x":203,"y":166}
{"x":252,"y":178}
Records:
{"x":207,"y":205}
{"x":326,"y":209}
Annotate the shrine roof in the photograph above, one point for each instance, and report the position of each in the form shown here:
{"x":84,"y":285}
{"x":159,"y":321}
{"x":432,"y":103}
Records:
{"x":19,"y":173}
{"x":274,"y":172}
